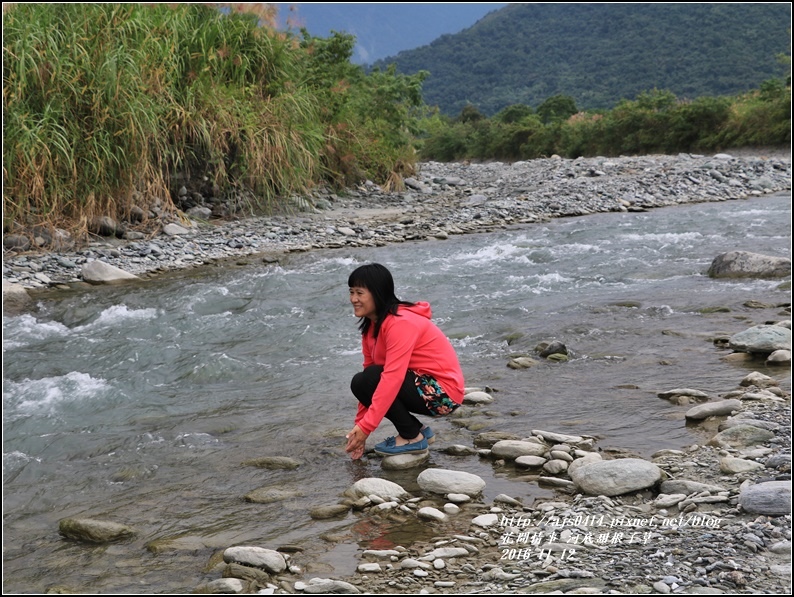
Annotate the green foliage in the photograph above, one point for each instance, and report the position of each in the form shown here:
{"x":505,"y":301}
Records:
{"x":655,"y":122}
{"x":103,"y":102}
{"x":557,"y":109}
{"x":513,"y":113}
{"x":599,"y":53}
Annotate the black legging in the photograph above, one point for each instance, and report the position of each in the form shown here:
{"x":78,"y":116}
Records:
{"x":407,"y":401}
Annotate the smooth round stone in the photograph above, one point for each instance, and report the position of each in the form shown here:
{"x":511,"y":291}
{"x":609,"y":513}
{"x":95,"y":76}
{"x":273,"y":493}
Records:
{"x":485,"y":520}
{"x":616,"y":477}
{"x":458,"y":498}
{"x":431,"y":514}
{"x":446,"y":481}
{"x":477,"y":398}
{"x":451,"y":508}
{"x":400,"y":462}
{"x":530,"y":461}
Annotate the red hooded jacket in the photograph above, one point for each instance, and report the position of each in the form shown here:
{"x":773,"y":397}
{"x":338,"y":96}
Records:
{"x":408,"y":340}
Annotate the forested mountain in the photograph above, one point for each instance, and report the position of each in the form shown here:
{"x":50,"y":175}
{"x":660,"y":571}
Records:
{"x":599,"y":54}
{"x":382,"y":29}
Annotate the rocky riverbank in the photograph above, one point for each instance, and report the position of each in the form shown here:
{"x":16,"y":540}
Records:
{"x":441,"y":200}
{"x":711,"y":518}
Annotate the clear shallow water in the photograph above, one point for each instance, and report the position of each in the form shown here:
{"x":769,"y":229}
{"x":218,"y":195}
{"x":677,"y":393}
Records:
{"x":138,"y":404}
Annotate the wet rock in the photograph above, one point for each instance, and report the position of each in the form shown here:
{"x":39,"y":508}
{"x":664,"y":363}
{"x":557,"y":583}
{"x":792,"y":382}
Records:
{"x":696,"y":395}
{"x":330,"y":511}
{"x":758,"y":380}
{"x":477,"y":398}
{"x":779,"y":357}
{"x":530,"y":461}
{"x":522,"y":363}
{"x":15,"y":298}
{"x":401,"y":462}
{"x":258,"y":557}
{"x":273,"y":462}
{"x":488,"y":438}
{"x":559,"y":438}
{"x":458,"y":450}
{"x":512,"y":449}
{"x":713,"y":409}
{"x":222,"y":586}
{"x":762,"y":339}
{"x":584,"y":461}
{"x":742,"y":264}
{"x":431,"y":514}
{"x":382,"y":488}
{"x":94,"y":531}
{"x":269,"y":495}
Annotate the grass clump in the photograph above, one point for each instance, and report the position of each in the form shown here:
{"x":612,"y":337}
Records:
{"x":108,"y":106}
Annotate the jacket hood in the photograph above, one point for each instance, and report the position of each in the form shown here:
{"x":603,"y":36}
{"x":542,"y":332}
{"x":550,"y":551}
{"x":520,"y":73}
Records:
{"x":420,"y":308}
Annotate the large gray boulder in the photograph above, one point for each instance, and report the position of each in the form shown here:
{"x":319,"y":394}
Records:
{"x":772,"y":498}
{"x":616,"y":477}
{"x":713,"y":409}
{"x":436,"y":480}
{"x":99,"y":272}
{"x":15,"y":298}
{"x":257,"y":557}
{"x":742,"y":264}
{"x":383,"y":488}
{"x":741,"y":436}
{"x":762,"y":339}
{"x":512,"y":449}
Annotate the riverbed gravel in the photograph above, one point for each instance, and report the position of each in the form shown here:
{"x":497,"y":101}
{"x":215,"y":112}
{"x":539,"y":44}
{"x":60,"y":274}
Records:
{"x":439,"y":201}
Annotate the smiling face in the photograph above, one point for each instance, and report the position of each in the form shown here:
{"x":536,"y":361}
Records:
{"x":363,"y":303}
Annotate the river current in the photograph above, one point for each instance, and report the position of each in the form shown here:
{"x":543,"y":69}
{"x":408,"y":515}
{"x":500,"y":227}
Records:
{"x":138,"y":404}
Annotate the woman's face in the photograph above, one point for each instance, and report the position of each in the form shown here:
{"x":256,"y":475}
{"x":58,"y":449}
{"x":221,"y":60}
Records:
{"x":363,"y":303}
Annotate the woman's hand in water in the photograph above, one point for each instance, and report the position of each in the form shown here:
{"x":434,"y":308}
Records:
{"x":356,"y":441}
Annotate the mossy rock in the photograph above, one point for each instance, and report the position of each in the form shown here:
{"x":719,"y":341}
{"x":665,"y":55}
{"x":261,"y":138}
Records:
{"x":94,"y":531}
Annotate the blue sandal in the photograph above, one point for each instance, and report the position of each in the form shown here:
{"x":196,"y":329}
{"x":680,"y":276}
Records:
{"x":428,"y":433}
{"x":394,"y":449}
{"x":388,"y":442}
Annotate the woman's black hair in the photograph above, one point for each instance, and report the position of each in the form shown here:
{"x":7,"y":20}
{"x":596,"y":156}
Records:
{"x":378,"y":280}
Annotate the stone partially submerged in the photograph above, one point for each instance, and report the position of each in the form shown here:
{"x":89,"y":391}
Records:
{"x":742,"y":264}
{"x":94,"y":531}
{"x":762,"y":339}
{"x":99,"y":272}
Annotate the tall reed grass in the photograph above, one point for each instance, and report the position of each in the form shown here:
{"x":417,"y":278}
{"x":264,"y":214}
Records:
{"x":104,"y":103}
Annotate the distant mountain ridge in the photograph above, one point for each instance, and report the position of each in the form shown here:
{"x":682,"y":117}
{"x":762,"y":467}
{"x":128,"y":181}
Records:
{"x":383,"y":29}
{"x":601,"y":53}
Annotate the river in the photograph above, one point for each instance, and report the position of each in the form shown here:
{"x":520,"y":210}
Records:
{"x":139,"y":403}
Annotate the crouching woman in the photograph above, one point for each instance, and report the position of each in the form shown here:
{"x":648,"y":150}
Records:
{"x":410,"y":367}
